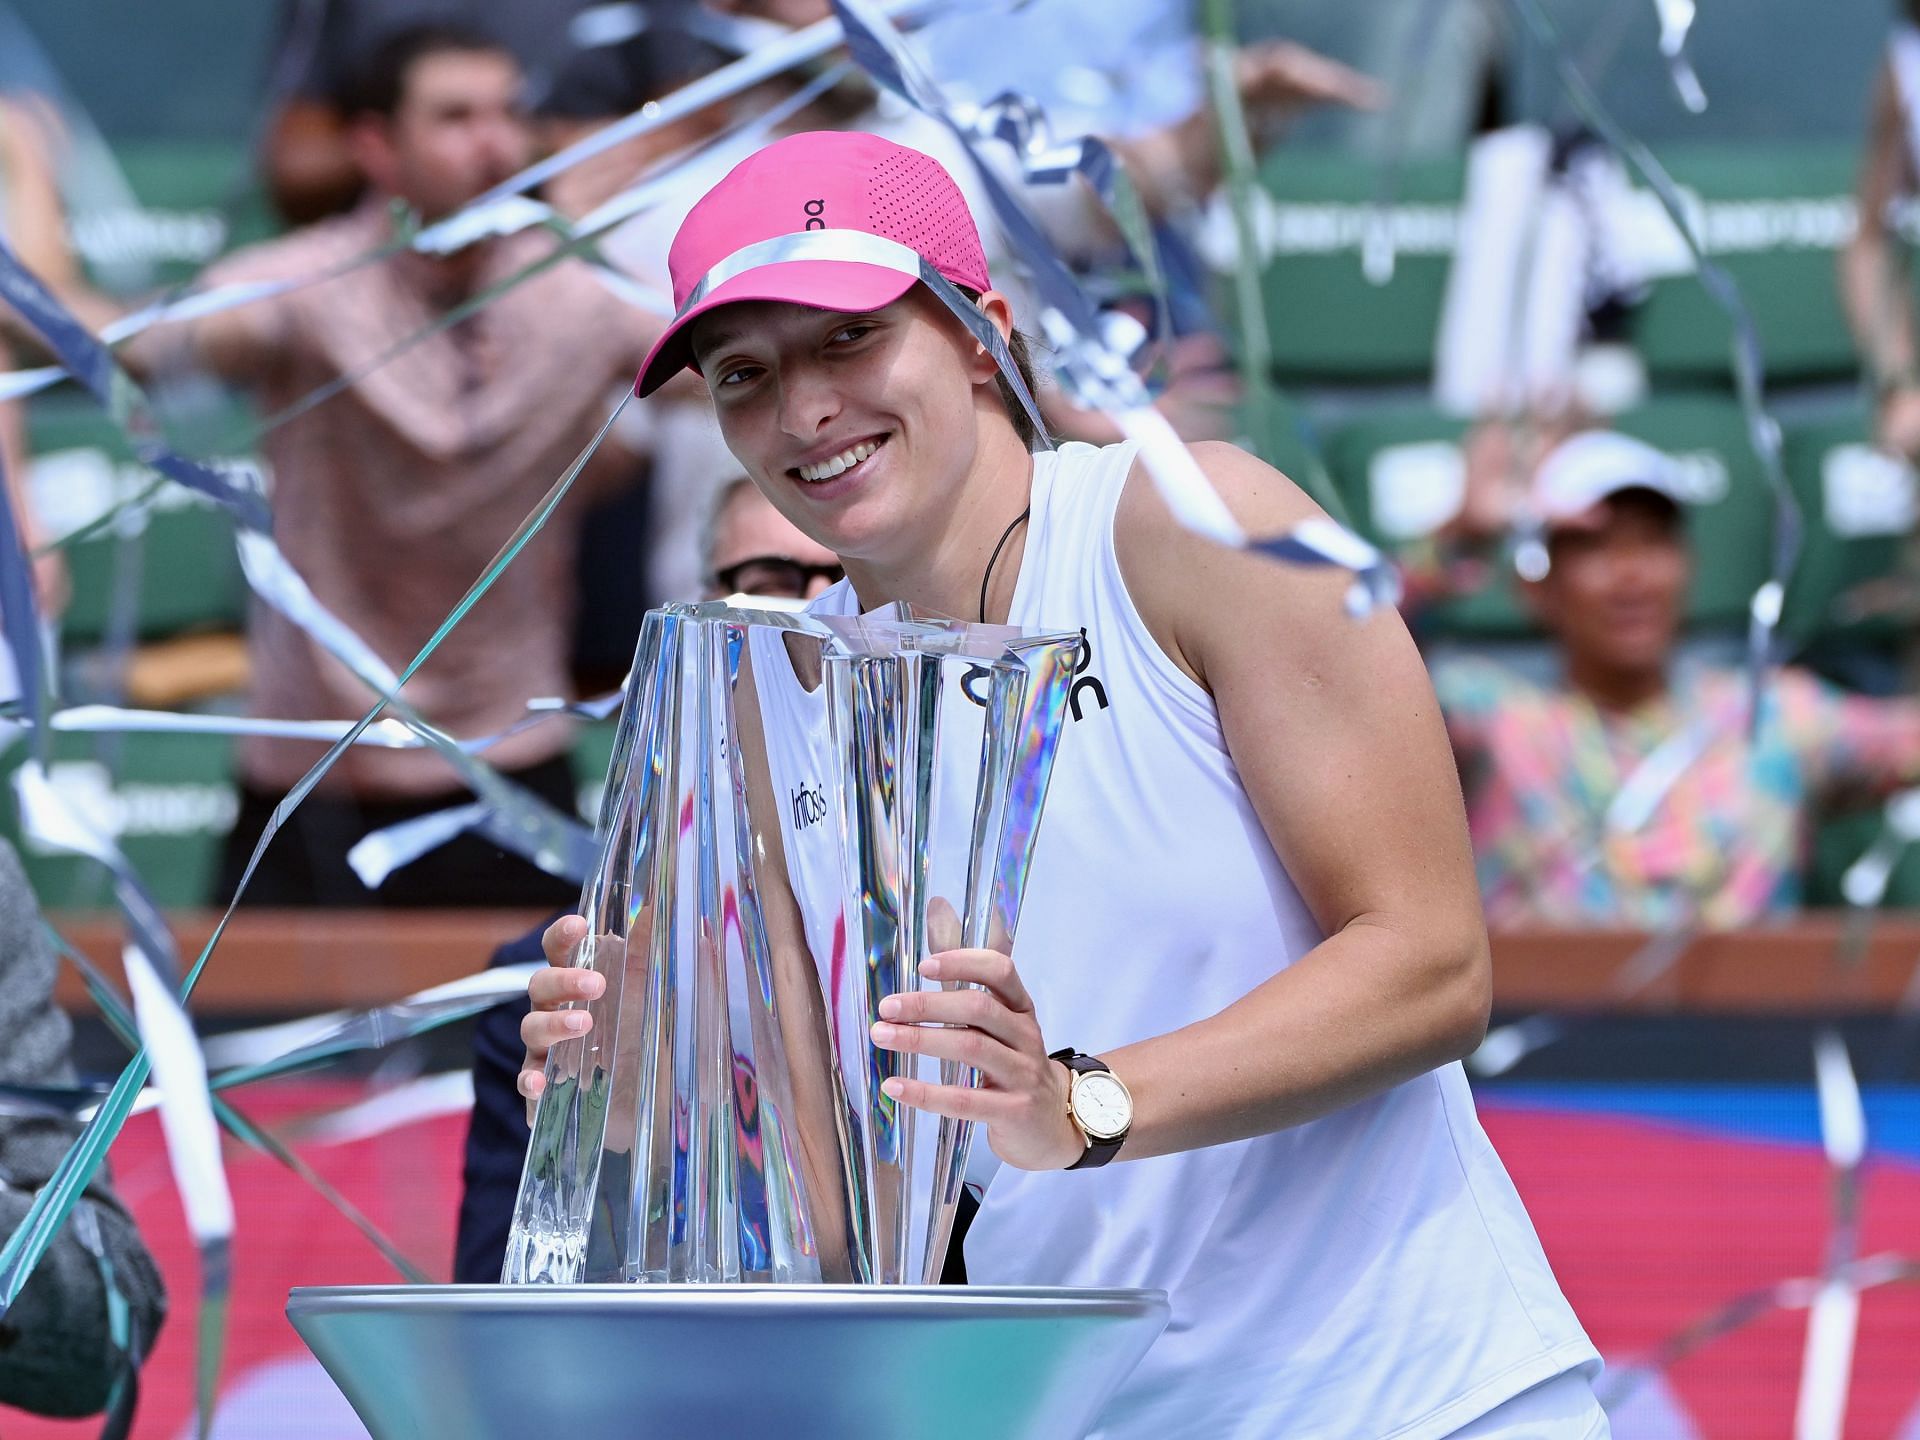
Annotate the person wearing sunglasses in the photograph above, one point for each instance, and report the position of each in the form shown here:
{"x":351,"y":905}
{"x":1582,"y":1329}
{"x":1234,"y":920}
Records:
{"x":750,"y":548}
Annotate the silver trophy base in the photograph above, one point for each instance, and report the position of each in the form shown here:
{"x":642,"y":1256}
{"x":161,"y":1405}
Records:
{"x":711,"y":1362}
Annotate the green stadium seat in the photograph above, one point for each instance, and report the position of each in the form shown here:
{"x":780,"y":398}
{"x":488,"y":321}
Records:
{"x":591,"y":757}
{"x":1394,"y":470}
{"x":1860,"y":507}
{"x":1287,"y":441}
{"x":122,"y":60}
{"x":1774,"y":217}
{"x":1844,"y":839}
{"x":1772,"y":70}
{"x":1329,"y":322}
{"x":188,"y":574}
{"x":196,"y":201}
{"x":169,"y":800}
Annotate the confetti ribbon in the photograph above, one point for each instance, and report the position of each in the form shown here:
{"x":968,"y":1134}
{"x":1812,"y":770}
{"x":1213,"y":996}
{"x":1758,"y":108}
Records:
{"x":1676,"y":24}
{"x":55,"y":1201}
{"x":1749,"y":369}
{"x":121,"y":1021}
{"x":167,"y":1036}
{"x":1086,"y":365}
{"x":1833,"y":1318}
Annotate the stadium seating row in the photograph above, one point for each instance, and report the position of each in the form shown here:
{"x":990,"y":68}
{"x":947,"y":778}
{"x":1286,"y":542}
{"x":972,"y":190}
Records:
{"x":1773,"y":218}
{"x":171,"y":799}
{"x":1397,"y":470}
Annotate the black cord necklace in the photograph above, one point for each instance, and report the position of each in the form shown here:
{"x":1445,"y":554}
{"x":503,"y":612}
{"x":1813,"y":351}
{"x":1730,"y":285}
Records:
{"x":986,"y":577}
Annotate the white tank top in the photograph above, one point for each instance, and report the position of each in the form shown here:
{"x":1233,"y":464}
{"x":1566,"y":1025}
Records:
{"x":1369,"y":1274}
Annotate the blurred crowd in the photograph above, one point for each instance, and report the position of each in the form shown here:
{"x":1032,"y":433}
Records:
{"x":420,"y":404}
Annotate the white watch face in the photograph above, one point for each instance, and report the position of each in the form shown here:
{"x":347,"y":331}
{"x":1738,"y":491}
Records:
{"x":1101,"y":1105}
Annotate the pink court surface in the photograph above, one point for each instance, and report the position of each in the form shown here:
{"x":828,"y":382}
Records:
{"x":1657,"y":1206}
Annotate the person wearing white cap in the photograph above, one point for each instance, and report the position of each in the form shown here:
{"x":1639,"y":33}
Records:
{"x":1585,"y":470}
{"x":1631,"y":791}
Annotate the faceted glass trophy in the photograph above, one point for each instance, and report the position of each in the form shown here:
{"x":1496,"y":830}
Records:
{"x":799,"y":810}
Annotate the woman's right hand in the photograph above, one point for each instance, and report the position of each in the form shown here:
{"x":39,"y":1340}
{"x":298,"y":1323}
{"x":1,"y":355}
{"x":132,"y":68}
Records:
{"x":551,"y":990}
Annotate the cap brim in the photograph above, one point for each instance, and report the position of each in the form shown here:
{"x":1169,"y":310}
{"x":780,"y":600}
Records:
{"x":843,"y":285}
{"x":1588,"y":515}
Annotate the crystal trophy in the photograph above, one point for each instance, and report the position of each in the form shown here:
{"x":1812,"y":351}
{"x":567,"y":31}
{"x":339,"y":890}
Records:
{"x":798,"y":811}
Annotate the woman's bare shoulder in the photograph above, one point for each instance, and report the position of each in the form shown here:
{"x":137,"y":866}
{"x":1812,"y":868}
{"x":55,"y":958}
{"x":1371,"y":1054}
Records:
{"x":1188,"y":588}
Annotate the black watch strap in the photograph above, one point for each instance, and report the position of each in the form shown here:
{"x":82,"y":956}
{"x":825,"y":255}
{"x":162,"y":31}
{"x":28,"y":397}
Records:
{"x":1098,"y":1152}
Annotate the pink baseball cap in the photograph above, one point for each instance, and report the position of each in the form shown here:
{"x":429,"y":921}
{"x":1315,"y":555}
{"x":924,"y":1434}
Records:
{"x":796,"y":221}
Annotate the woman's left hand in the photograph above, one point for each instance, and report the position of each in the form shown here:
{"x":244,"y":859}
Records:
{"x":1022,"y":1095}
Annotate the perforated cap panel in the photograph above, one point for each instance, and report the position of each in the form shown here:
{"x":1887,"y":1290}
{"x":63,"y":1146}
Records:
{"x":916,"y":202}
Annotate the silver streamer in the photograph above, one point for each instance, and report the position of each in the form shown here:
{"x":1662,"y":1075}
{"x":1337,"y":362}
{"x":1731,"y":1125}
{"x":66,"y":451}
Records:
{"x":1099,"y":374}
{"x":1749,"y":368}
{"x":1087,"y":367}
{"x":1676,"y":24}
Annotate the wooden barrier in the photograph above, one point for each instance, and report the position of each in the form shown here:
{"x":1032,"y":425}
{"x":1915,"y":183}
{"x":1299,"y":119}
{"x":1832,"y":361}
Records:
{"x":1809,"y":964}
{"x":294,"y":962}
{"x":297,"y":961}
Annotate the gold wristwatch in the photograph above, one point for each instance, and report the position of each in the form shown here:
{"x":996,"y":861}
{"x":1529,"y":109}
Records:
{"x":1099,"y":1104}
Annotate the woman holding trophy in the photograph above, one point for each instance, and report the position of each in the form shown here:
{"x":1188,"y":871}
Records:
{"x":1223,"y":1062}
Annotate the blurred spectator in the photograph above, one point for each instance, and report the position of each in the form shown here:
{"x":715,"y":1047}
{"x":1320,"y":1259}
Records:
{"x":569,"y":52}
{"x":31,"y":219}
{"x":1630,"y":792}
{"x":393,"y":496}
{"x":752,"y":549}
{"x":59,"y":1350}
{"x":611,"y":74}
{"x":750,"y":546}
{"x":1132,"y":71}
{"x":1444,"y":58}
{"x":1874,"y":281}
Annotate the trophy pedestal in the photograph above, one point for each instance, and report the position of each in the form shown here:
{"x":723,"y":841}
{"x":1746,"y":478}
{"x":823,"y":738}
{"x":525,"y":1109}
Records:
{"x":711,"y":1362}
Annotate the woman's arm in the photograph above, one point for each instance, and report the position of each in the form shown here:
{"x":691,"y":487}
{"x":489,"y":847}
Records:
{"x":1873,"y":280}
{"x":1337,"y":737}
{"x":1180,"y":164}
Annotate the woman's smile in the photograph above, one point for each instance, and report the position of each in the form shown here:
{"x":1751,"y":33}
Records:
{"x":848,"y":456}
{"x":837,"y":474}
